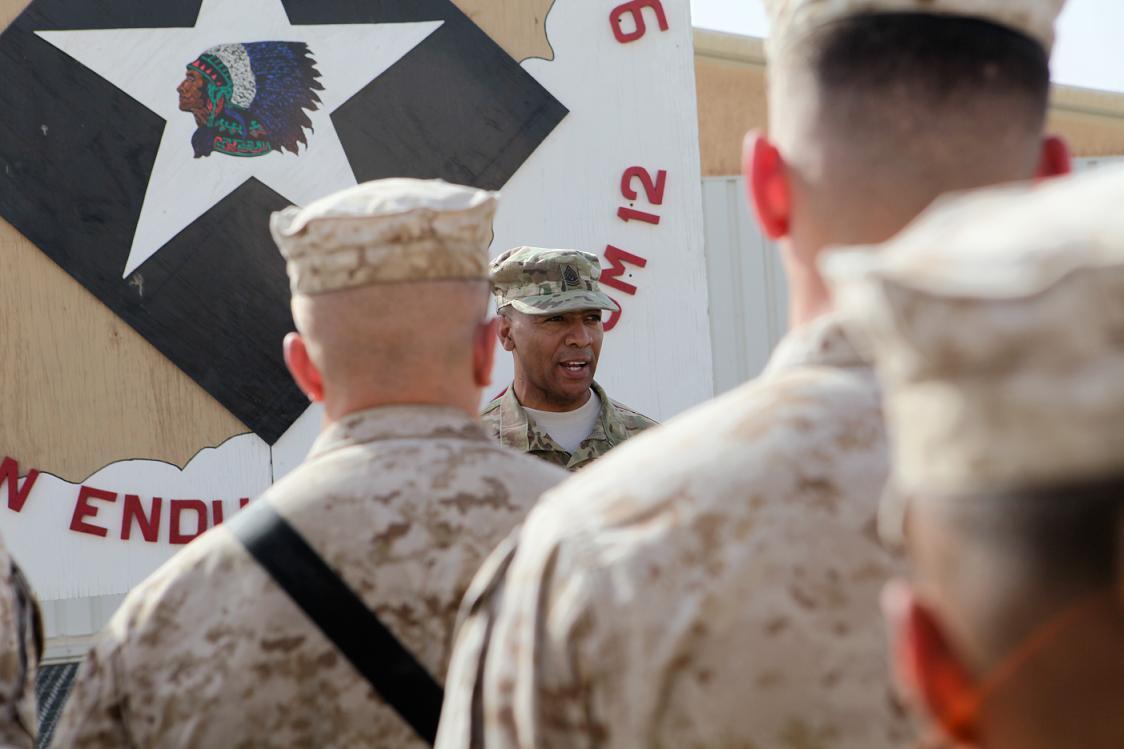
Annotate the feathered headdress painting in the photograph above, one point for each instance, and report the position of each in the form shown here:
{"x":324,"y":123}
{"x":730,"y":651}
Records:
{"x":251,"y":99}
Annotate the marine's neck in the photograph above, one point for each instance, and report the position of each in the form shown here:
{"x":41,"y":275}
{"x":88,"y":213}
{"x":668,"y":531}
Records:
{"x":339,"y":405}
{"x":809,"y":297}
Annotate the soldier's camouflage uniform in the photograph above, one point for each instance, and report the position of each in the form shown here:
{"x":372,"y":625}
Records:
{"x":541,"y":281}
{"x":403,"y":502}
{"x":507,"y":421}
{"x":21,"y":646}
{"x":713,"y":583}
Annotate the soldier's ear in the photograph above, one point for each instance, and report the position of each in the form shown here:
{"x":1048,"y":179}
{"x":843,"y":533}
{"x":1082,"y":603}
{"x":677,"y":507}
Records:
{"x":504,"y":332}
{"x":484,"y":352}
{"x":302,"y":368}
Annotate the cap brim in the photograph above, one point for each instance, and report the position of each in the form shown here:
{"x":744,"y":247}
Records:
{"x":567,"y":301}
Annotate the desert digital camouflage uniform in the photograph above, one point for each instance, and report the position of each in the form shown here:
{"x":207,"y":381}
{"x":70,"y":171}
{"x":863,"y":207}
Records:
{"x":507,"y":421}
{"x":997,"y":323}
{"x":403,"y":502}
{"x":703,"y":585}
{"x":1033,"y":18}
{"x":714,"y":582}
{"x":21,"y":646}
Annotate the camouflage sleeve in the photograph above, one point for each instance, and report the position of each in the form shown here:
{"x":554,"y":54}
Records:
{"x":633,"y":422}
{"x":461,"y":718}
{"x":21,"y":645}
{"x":522,"y":675}
{"x":93,"y":716}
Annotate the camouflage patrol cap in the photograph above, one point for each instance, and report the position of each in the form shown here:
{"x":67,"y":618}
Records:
{"x":386,"y":231}
{"x":539,"y":281}
{"x":997,"y":324}
{"x":793,"y":19}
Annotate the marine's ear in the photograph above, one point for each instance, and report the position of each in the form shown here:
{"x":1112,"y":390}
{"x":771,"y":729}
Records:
{"x":1054,"y":160}
{"x":928,"y":671}
{"x":767,"y":184}
{"x":302,"y":368}
{"x":484,"y":352}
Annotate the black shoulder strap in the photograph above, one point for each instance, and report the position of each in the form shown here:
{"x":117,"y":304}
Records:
{"x":373,"y":650}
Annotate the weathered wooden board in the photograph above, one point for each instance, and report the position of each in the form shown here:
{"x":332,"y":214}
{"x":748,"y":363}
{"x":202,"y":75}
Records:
{"x":519,"y":26}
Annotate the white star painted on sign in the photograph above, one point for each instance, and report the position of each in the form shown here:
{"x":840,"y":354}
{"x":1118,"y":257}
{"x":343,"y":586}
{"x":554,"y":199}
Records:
{"x":148,"y":64}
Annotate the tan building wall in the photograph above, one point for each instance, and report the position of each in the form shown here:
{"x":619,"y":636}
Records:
{"x":730,"y":76}
{"x":730,"y":80}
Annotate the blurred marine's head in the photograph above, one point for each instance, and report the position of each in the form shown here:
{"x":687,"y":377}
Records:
{"x":390,"y":294}
{"x":879,"y":106}
{"x":997,"y":324}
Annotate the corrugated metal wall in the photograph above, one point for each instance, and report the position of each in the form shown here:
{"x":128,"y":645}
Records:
{"x":71,"y":624}
{"x":748,"y":294}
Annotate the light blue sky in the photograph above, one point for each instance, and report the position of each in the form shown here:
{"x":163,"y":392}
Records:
{"x":1090,"y":52}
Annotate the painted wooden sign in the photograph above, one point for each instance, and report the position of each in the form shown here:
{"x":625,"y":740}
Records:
{"x":146,"y":145}
{"x":166,"y":135}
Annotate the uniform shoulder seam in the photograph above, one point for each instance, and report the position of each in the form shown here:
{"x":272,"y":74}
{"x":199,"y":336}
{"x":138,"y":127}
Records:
{"x":631,"y":411}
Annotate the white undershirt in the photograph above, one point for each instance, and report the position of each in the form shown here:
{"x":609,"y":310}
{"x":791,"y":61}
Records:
{"x":569,"y":428}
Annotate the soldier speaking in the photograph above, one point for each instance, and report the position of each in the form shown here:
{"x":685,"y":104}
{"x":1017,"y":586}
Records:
{"x":550,"y":308}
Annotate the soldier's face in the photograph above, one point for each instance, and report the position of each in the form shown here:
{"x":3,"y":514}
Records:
{"x":555,"y":356}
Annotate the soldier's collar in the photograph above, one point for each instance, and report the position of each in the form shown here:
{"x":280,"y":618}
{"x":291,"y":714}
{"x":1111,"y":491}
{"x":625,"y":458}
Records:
{"x":398,"y":422}
{"x":514,"y":422}
{"x":823,"y":342}
{"x":516,"y":430}
{"x":606,"y":427}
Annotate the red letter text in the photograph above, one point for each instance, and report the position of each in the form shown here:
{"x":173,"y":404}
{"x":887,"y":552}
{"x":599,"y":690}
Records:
{"x":179,"y":506}
{"x":17,"y":493}
{"x":83,"y":509}
{"x":149,"y":524}
{"x":616,"y":258}
{"x":635,"y":8}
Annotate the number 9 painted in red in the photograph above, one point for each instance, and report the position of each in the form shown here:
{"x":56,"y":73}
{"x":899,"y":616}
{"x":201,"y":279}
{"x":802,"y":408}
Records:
{"x":636,"y":8}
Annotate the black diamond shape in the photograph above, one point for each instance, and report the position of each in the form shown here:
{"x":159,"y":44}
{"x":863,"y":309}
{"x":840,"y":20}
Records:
{"x":76,"y":154}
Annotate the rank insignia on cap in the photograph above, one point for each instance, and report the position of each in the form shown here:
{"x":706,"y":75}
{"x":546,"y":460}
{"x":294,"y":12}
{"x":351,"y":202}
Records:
{"x":541,"y":281}
{"x":570,"y":276}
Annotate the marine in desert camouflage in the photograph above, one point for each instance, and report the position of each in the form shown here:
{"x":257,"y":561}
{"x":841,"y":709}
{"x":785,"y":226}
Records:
{"x":21,"y":647}
{"x":716,"y":581}
{"x":997,"y":323}
{"x":401,"y":501}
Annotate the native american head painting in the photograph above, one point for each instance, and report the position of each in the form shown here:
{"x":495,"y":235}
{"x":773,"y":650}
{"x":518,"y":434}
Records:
{"x":251,"y":99}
